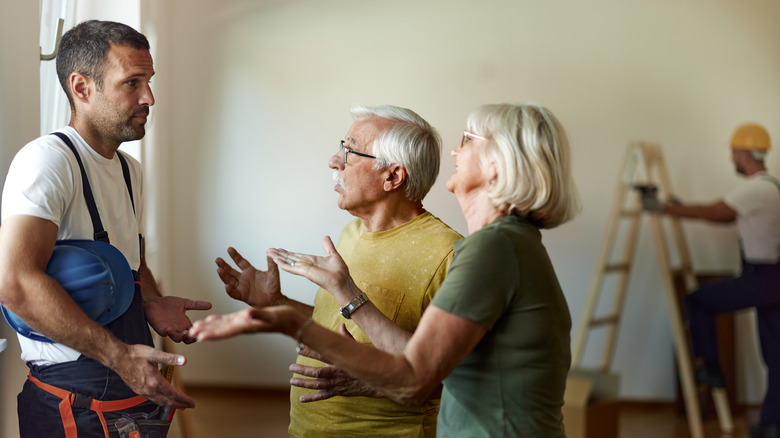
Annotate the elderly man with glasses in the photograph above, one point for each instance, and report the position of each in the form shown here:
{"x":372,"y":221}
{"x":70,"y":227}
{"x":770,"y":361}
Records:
{"x":397,"y":252}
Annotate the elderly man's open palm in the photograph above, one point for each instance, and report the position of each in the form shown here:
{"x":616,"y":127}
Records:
{"x":252,"y":286}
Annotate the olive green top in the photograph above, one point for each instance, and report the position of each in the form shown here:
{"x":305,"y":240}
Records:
{"x":511,"y":384}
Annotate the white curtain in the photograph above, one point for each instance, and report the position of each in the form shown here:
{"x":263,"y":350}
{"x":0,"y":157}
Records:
{"x":55,"y":112}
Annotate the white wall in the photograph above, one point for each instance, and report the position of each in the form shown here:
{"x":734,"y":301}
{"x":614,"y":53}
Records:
{"x":19,"y":115}
{"x":258,"y":95}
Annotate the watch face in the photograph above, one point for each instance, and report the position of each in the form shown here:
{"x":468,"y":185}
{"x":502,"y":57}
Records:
{"x":353,"y":305}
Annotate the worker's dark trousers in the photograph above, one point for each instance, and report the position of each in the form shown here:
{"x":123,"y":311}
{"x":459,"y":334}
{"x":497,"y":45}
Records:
{"x":759,"y":287}
{"x":38,"y":410}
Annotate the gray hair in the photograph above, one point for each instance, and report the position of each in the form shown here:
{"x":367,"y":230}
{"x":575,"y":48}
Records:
{"x":531,"y":152}
{"x":410,"y":142}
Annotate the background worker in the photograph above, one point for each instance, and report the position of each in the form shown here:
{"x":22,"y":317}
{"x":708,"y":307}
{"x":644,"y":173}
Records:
{"x":755,"y":207}
{"x":397,"y":252}
{"x":105,"y":69}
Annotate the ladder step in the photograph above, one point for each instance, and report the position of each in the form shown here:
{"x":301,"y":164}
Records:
{"x":634,"y":212}
{"x":682,"y":269}
{"x":617,"y":267}
{"x":605,"y":320}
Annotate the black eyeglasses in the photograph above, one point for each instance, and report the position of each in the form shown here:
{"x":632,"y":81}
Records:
{"x":348,"y":151}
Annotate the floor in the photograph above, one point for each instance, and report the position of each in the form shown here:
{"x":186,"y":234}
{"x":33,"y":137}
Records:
{"x":234,"y":413}
{"x":264,"y":413}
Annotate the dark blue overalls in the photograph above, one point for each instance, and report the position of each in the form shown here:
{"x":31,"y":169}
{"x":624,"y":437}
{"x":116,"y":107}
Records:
{"x":88,"y":386}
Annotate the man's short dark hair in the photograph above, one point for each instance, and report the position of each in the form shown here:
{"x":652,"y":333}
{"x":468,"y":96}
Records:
{"x":84,"y":48}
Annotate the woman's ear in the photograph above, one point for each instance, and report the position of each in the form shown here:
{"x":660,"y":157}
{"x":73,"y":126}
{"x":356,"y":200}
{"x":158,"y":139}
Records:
{"x":491,"y":172}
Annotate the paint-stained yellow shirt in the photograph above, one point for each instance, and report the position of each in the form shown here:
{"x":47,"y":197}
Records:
{"x":400,"y":270}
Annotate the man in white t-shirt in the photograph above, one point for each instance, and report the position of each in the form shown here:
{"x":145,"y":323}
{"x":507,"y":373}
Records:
{"x":755,"y":207}
{"x":90,"y":370}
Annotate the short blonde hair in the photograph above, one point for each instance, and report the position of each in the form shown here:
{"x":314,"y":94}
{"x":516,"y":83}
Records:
{"x":531,"y":152}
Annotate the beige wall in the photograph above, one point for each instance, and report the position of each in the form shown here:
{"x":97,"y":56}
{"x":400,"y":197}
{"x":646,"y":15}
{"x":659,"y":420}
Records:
{"x":253,"y":96}
{"x":19,"y":119}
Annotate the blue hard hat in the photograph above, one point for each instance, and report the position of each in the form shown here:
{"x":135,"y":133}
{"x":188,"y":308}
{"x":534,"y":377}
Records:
{"x":95,"y":274}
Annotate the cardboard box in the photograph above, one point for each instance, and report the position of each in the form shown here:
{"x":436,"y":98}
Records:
{"x":590,"y":405}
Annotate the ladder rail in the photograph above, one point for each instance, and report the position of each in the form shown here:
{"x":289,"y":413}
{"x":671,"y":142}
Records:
{"x":597,"y":282}
{"x":719,"y":396}
{"x":654,"y":161}
{"x":619,"y":301}
{"x":683,"y":354}
{"x":686,"y":265}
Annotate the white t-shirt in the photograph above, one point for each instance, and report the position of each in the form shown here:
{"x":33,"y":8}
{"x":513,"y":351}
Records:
{"x":44,"y":181}
{"x":757,"y":203}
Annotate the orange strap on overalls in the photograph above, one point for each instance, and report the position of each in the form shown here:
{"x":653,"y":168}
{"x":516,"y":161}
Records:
{"x":70,"y":399}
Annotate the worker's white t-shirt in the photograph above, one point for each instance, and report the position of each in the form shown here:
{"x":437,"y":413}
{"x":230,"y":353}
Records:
{"x":44,"y":181}
{"x":757,"y":203}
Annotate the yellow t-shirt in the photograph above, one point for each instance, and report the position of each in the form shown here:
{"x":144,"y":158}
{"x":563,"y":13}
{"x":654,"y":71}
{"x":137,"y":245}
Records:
{"x":400,"y":270}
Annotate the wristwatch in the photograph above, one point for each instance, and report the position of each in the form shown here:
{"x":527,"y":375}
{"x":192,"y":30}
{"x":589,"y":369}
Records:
{"x":353,"y":305}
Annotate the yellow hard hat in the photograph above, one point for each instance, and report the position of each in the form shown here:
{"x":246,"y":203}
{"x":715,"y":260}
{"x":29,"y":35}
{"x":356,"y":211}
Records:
{"x":750,"y":136}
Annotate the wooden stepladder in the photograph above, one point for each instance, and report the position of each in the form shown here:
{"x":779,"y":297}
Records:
{"x":644,"y":166}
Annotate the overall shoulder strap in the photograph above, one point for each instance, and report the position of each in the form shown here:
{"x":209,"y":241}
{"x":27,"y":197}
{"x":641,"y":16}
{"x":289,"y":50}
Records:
{"x":772,"y":179}
{"x":126,"y":174}
{"x":99,"y":233}
{"x":129,"y":184}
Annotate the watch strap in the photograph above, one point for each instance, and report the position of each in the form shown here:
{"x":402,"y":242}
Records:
{"x":353,"y":305}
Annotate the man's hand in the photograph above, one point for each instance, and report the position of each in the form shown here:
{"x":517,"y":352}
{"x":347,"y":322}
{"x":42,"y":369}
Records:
{"x":331,"y":381}
{"x":138,"y":368}
{"x":168,"y":316}
{"x":252,"y":286}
